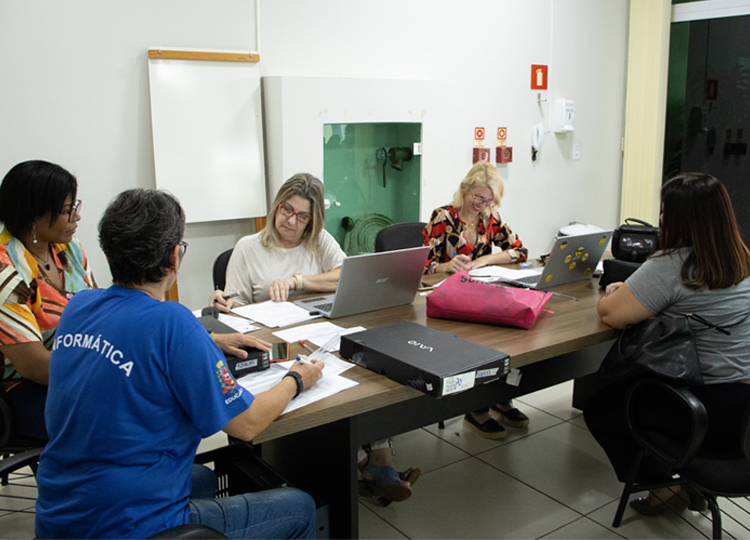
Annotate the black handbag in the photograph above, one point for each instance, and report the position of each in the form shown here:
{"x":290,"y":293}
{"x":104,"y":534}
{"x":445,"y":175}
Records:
{"x":634,"y":242}
{"x":660,"y":346}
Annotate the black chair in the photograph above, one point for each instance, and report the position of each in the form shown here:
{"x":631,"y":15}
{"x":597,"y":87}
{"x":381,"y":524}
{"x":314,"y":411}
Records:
{"x":399,"y":236}
{"x":220,"y":269}
{"x":12,"y":443}
{"x":711,"y":472}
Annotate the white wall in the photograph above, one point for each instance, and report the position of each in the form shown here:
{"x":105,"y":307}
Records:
{"x":74,"y":90}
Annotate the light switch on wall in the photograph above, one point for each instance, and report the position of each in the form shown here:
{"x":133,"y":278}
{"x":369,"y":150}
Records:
{"x":576,"y":152}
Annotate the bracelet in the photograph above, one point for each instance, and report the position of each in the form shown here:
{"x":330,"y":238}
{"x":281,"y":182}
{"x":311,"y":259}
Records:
{"x":300,"y":284}
{"x":297,"y":377}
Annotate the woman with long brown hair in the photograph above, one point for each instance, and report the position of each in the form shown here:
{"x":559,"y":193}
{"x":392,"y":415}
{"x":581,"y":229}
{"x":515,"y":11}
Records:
{"x":702,"y":268}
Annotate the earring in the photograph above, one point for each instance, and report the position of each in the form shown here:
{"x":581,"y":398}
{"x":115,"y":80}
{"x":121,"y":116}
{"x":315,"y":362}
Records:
{"x":33,"y":230}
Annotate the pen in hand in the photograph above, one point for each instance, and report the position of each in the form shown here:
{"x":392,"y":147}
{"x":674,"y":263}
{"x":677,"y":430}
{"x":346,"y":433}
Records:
{"x":227,"y":296}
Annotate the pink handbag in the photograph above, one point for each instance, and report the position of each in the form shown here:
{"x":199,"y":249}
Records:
{"x":463,"y":298}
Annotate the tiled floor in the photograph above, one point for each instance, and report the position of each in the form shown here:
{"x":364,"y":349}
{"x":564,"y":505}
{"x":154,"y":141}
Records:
{"x":550,"y":480}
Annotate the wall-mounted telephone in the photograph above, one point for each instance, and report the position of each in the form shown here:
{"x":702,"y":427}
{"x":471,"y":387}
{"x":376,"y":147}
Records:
{"x":537,"y":135}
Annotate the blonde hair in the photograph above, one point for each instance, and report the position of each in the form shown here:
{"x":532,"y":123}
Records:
{"x":308,"y":187}
{"x":482,"y":174}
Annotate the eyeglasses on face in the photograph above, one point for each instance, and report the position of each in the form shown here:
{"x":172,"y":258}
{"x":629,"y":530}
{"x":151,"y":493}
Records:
{"x":481,"y":200}
{"x":74,"y":209}
{"x":288,"y":211}
{"x":183,"y":249}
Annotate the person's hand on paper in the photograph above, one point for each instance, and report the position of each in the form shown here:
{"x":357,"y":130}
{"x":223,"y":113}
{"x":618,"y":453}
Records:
{"x":478,"y":263}
{"x":279,"y":289}
{"x":217,"y":299}
{"x":456,"y":264}
{"x":311,"y":373}
{"x":231,"y":343}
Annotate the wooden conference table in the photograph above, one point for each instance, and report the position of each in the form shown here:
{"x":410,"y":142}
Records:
{"x":316,"y":447}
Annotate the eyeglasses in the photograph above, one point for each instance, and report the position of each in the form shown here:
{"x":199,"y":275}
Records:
{"x":481,"y":200}
{"x":74,"y":209}
{"x":288,"y":211}
{"x":183,"y":249}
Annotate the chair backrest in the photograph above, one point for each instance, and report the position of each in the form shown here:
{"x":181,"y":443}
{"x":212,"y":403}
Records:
{"x":220,"y":269}
{"x":669,"y":441}
{"x":399,"y":236}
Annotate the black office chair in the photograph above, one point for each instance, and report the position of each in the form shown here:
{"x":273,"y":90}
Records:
{"x":12,"y":443}
{"x":220,"y":269}
{"x":399,"y":236}
{"x":712,"y":472}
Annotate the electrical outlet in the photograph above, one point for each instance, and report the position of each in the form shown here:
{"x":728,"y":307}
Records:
{"x":576,"y":152}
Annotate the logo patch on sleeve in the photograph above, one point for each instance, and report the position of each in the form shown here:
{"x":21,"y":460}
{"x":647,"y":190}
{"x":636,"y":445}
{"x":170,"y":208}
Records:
{"x":227,"y":381}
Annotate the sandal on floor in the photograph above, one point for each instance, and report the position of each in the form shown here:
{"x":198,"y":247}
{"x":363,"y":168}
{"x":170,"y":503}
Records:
{"x":512,"y":417}
{"x":678,"y":502}
{"x":490,"y":429}
{"x":698,"y":502}
{"x":386,"y":484}
{"x":410,"y":475}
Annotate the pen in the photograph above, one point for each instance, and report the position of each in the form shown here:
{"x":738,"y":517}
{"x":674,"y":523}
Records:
{"x":563,"y":295}
{"x":305,"y":345}
{"x":228,"y":296}
{"x":302,"y":358}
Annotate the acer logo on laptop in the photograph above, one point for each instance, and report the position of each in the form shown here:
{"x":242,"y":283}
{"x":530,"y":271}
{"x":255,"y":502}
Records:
{"x":381,"y":280}
{"x":420,"y":345}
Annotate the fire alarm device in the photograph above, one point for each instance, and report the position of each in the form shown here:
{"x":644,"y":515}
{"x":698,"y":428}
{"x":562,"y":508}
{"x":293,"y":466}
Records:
{"x":504,"y":154}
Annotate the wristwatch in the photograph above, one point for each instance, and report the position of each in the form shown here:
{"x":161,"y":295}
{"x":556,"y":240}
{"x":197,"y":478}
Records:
{"x":297,"y":377}
{"x":300,"y":284}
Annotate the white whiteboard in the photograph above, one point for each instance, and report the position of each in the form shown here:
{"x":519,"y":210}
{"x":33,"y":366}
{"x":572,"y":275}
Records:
{"x":208,"y":137}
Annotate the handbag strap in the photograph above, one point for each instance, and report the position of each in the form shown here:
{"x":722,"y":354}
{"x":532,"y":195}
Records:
{"x":711,"y":325}
{"x":628,"y":220}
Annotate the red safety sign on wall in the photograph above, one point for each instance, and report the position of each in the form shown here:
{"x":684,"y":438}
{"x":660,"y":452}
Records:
{"x":538,"y":77}
{"x":502,"y":136}
{"x":479,"y":136}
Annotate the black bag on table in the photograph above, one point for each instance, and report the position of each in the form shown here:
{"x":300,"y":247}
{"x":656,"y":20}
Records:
{"x":634,"y":243}
{"x":615,"y":270}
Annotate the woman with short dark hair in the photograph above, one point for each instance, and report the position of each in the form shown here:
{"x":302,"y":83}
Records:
{"x":135,"y":384}
{"x":702,"y":267}
{"x":42,"y":266}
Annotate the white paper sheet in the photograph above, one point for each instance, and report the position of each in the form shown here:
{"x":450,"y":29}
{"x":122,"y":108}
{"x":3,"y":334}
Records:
{"x":330,"y":384}
{"x":308,"y":331}
{"x":275,"y":314}
{"x":239,"y":324}
{"x":502,"y":273}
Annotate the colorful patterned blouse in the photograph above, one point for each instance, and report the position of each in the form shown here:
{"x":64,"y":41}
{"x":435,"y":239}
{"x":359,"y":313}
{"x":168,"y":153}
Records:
{"x":445,"y":234}
{"x":30,"y":306}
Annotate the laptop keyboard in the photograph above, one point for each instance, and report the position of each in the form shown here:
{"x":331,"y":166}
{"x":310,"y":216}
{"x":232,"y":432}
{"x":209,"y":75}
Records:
{"x":324,"y":307}
{"x":528,"y":280}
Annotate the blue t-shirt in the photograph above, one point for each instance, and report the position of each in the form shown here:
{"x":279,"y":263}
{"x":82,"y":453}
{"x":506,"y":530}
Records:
{"x":134,"y":385}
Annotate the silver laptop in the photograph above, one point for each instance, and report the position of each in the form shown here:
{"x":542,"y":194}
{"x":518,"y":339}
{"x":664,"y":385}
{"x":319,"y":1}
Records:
{"x":573,"y":258}
{"x":371,"y":282}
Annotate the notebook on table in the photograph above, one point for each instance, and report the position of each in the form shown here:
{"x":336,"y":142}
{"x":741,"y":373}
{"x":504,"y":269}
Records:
{"x":372,"y":281}
{"x":573,"y":258}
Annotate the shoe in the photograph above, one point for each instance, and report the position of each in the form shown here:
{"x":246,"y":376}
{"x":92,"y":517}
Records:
{"x":410,"y":475}
{"x":386,"y":483}
{"x":489,"y":430}
{"x":512,"y":417}
{"x":678,"y":502}
{"x":698,"y":502}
